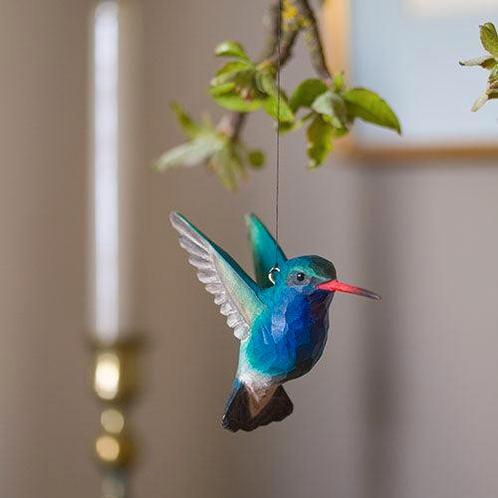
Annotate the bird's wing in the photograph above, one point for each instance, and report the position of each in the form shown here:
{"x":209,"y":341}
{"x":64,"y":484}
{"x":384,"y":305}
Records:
{"x":264,"y":250}
{"x":234,"y":291}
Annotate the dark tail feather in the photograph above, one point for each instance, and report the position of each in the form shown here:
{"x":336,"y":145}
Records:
{"x":237,"y":414}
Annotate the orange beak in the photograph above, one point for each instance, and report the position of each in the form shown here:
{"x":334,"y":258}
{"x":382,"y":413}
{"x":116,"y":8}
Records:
{"x":338,"y":286}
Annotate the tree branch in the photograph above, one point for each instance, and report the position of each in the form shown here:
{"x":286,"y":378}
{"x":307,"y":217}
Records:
{"x":231,"y":124}
{"x":313,"y":38}
{"x":272,"y":23}
{"x":304,"y":20}
{"x":288,"y":40}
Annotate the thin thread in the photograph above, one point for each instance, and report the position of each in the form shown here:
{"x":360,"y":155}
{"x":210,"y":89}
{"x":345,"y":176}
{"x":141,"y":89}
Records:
{"x":277,"y":179}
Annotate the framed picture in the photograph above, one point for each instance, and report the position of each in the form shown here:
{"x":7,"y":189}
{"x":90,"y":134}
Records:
{"x":408,"y":51}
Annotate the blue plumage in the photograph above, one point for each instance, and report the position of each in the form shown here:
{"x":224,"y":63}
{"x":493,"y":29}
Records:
{"x":282,"y":325}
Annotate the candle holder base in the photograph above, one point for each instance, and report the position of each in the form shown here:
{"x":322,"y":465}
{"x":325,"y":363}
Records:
{"x":115,"y":383}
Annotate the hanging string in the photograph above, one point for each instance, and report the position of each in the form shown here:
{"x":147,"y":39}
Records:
{"x":277,"y":179}
{"x":275,"y":268}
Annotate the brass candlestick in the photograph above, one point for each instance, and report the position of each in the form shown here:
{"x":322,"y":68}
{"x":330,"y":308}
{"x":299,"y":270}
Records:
{"x":115,"y":382}
{"x":115,"y":153}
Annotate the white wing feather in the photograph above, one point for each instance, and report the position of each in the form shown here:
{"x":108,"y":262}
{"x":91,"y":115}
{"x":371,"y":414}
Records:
{"x":212,"y":270}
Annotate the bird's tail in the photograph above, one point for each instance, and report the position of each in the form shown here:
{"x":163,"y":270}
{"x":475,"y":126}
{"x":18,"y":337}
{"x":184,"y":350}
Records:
{"x":241,"y":414}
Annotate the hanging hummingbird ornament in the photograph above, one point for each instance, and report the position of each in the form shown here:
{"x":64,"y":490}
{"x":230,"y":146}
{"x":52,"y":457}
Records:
{"x":281,"y":319}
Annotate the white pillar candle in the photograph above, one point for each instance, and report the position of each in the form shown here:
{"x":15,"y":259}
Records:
{"x":114,"y":166}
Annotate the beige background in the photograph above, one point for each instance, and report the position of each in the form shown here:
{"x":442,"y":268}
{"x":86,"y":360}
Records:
{"x":404,"y":403}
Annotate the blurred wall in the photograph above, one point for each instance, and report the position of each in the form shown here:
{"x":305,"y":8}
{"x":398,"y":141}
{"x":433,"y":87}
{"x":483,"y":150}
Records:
{"x":47,"y":418}
{"x":403,"y":403}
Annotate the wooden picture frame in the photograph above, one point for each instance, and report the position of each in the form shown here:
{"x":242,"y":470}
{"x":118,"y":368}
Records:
{"x":339,"y":25}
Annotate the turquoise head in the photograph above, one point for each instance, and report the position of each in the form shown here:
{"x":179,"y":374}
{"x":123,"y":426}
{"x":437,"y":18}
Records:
{"x":308,"y":275}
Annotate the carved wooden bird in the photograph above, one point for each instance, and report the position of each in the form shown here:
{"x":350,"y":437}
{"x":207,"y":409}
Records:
{"x":281,"y":319}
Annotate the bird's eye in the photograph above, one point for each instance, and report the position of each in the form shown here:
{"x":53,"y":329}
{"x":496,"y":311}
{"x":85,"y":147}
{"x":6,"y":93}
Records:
{"x":298,"y":278}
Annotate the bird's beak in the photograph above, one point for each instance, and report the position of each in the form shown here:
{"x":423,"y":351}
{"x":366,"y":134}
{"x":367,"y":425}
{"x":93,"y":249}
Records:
{"x":338,"y":286}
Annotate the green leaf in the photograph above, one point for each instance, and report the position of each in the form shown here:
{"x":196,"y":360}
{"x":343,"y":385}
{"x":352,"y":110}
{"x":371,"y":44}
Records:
{"x":231,"y":49}
{"x":489,"y":38}
{"x":222,"y":89}
{"x":334,"y":109}
{"x":306,"y":92}
{"x":231,"y":71}
{"x":296,"y":124}
{"x":233,"y":67}
{"x":225,"y":163}
{"x":319,"y":141}
{"x":338,"y":83}
{"x":367,"y":105}
{"x":234,"y":102}
{"x":266,"y":83}
{"x":240,"y":78}
{"x":191,"y":153}
{"x":480,"y":102}
{"x":493,"y":75}
{"x":237,"y":163}
{"x":339,"y":132}
{"x":486,"y":61}
{"x":187,"y":124}
{"x":284,"y":112}
{"x":256,"y":158}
